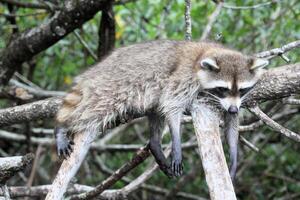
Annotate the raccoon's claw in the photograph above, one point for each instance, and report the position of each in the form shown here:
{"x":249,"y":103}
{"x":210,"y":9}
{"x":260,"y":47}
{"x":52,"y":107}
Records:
{"x":176,"y":168}
{"x":64,"y":149}
{"x":166,"y":170}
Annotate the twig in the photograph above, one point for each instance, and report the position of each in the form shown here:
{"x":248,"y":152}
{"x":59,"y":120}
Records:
{"x":136,"y":160}
{"x":34,"y":165}
{"x":211,"y":20}
{"x":277,"y":127}
{"x":23,"y":15}
{"x":250,"y":7}
{"x":188,"y":20}
{"x":30,"y":5}
{"x":249,"y":144}
{"x":292,"y":101}
{"x":278,"y":51}
{"x":150,"y":188}
{"x":35,"y":91}
{"x":85,"y":45}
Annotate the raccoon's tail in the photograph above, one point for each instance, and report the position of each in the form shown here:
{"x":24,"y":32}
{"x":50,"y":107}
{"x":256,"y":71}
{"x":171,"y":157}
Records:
{"x":71,"y":165}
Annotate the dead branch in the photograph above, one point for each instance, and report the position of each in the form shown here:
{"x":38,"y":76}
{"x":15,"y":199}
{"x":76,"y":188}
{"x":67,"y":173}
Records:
{"x":284,"y":82}
{"x":279,"y":51}
{"x":11,"y":165}
{"x":250,"y":7}
{"x":28,"y":112}
{"x":29,"y":5}
{"x":211,"y":20}
{"x":40,"y":93}
{"x":206,"y":124}
{"x":136,"y":160}
{"x":188,"y":20}
{"x":274,"y":125}
{"x":292,"y":101}
{"x":32,"y":42}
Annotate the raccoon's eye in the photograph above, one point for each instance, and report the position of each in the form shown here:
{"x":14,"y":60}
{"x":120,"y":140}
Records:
{"x":243,"y":91}
{"x":220,"y":91}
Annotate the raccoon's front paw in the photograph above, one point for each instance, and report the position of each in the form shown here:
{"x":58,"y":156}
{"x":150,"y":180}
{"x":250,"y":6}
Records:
{"x":176,"y":167}
{"x":166,"y":170}
{"x":64,"y":147}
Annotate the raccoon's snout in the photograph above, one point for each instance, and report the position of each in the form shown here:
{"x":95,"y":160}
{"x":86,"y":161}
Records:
{"x":231,"y":104}
{"x":233,"y":109}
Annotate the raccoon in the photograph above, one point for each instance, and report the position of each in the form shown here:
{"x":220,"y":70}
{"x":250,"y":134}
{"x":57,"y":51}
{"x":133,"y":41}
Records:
{"x":160,"y":80}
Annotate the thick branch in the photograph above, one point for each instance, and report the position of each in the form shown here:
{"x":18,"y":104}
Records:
{"x":284,"y":81}
{"x":37,"y":39}
{"x":28,"y":112}
{"x":206,"y":124}
{"x":11,"y":165}
{"x":277,"y":83}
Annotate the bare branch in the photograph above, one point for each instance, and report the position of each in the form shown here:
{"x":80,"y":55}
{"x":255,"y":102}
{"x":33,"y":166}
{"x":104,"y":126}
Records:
{"x":33,"y":41}
{"x":279,"y":51}
{"x":29,"y":5}
{"x":292,"y":101}
{"x":28,"y":112}
{"x":11,"y":165}
{"x":206,"y":123}
{"x":274,"y":125}
{"x":136,"y":160}
{"x":188,"y":20}
{"x":284,"y":82}
{"x":85,"y":45}
{"x":249,"y":144}
{"x":211,"y":20}
{"x":36,"y":91}
{"x":250,"y":7}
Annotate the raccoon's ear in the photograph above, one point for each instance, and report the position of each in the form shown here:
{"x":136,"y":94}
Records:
{"x":209,"y":64}
{"x":259,"y":63}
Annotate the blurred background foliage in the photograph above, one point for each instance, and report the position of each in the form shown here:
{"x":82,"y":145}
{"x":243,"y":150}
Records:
{"x":271,"y":174}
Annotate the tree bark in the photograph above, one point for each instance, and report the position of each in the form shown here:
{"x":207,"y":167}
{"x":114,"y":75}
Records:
{"x":206,"y":124}
{"x":37,"y":39}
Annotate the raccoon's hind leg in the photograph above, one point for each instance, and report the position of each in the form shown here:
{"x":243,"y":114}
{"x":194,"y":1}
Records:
{"x":63,"y":144}
{"x":156,"y":124}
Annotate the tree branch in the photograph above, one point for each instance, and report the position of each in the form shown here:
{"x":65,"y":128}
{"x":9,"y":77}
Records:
{"x":278,"y":51}
{"x":28,"y":112}
{"x":211,"y":20}
{"x":188,"y":20}
{"x":11,"y":165}
{"x":206,"y":124}
{"x":274,"y":125}
{"x":37,"y":39}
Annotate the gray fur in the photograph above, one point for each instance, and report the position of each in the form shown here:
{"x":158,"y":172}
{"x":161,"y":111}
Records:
{"x":159,"y":79}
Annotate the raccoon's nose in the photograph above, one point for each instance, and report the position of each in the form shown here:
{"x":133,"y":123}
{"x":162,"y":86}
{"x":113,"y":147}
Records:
{"x":233,"y":109}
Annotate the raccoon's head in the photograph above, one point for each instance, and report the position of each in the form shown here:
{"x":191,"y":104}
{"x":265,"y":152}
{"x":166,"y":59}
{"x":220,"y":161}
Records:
{"x":227,"y":76}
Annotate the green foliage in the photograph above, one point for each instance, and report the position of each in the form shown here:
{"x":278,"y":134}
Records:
{"x":271,"y":174}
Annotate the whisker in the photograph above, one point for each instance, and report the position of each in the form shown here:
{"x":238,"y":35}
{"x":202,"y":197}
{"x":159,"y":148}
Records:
{"x":212,"y":95}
